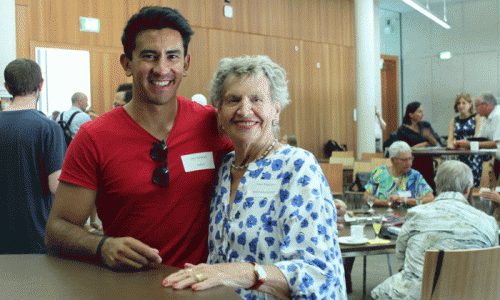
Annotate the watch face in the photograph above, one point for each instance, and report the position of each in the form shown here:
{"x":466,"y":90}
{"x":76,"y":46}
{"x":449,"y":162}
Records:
{"x":261,"y":273}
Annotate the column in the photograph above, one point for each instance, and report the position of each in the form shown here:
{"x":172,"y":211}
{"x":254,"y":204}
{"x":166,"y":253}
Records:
{"x":365,"y":75}
{"x":7,"y":39}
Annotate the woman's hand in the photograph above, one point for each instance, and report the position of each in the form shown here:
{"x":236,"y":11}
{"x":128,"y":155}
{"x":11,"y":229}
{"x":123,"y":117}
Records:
{"x":204,"y":276}
{"x":490,"y":196}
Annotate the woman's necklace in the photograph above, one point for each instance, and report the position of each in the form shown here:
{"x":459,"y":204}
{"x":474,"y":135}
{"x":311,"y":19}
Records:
{"x":258,"y":158}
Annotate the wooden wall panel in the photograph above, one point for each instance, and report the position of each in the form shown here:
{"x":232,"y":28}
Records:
{"x":296,"y":34}
{"x":22,"y":31}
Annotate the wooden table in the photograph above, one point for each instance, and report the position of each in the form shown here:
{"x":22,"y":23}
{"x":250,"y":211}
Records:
{"x":37,"y":276}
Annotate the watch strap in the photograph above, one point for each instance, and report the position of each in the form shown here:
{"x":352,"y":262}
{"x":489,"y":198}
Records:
{"x":259,"y":281}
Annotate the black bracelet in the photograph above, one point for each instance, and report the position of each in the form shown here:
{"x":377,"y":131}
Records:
{"x":99,"y":248}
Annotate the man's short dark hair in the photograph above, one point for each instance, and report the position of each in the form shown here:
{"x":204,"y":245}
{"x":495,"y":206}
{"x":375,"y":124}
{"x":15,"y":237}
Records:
{"x":23,"y":77}
{"x":155,"y":17}
{"x":128,"y":96}
{"x":124,"y":87}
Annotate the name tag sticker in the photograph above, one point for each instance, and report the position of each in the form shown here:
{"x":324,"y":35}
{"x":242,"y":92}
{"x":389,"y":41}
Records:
{"x":497,"y":189}
{"x":405,"y":194}
{"x":198,"y":161}
{"x":265,"y":188}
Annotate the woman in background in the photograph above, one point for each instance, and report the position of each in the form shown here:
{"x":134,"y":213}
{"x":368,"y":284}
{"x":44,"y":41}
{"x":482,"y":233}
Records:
{"x":463,"y":126}
{"x":419,"y":134}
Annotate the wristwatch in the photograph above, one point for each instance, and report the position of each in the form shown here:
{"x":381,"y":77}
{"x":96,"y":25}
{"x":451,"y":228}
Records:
{"x":261,"y":275}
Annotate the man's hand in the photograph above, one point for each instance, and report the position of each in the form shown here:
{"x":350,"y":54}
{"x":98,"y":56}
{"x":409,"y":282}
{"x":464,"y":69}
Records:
{"x":128,"y":252}
{"x":341,"y":210}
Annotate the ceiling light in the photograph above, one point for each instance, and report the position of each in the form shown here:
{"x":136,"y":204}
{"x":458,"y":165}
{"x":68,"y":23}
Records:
{"x":427,"y":13}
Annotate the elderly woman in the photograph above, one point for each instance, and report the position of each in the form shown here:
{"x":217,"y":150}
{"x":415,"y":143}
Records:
{"x":447,"y":223}
{"x":389,"y":181}
{"x":272,"y":227}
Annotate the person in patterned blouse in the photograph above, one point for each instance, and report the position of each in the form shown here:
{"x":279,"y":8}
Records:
{"x":390,"y":181}
{"x":273,"y":232}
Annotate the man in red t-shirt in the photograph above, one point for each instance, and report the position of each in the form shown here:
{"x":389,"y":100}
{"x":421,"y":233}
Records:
{"x":149,"y":166}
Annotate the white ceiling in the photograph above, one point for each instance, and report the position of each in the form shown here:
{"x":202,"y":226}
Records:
{"x":400,"y":6}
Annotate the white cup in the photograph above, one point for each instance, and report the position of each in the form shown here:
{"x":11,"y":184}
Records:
{"x":357,"y":231}
{"x":483,"y":189}
{"x":474,"y":146}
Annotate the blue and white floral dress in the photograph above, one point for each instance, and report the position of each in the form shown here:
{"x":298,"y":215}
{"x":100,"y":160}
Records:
{"x":283,"y":215}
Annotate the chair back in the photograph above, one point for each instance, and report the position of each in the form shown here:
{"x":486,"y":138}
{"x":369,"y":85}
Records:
{"x":464,"y":274}
{"x":382,"y":161}
{"x":334,"y":176}
{"x":346,"y":162}
{"x":368,"y":156}
{"x":342,"y":154}
{"x":363,"y":166}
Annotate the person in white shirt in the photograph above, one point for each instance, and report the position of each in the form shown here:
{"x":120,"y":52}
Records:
{"x":379,"y":127}
{"x":79,"y":104}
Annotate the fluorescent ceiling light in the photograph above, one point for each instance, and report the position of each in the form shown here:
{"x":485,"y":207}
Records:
{"x":427,"y":13}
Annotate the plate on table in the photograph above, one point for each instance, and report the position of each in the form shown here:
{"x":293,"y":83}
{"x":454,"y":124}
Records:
{"x":349,"y":240}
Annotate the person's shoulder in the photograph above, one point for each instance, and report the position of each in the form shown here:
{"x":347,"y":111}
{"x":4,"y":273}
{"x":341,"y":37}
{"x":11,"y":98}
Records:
{"x":110,"y":118}
{"x":414,"y":173}
{"x":195,"y":106}
{"x":424,"y":124}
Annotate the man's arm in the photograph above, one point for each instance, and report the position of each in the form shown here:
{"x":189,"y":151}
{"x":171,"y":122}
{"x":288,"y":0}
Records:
{"x":66,"y":236}
{"x":54,"y":181}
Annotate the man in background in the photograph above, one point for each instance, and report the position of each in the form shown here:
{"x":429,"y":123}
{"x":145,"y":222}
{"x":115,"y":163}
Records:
{"x":120,"y":96}
{"x":79,"y":103}
{"x":32,"y":150}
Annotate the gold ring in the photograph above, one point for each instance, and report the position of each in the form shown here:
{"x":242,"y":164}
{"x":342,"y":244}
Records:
{"x":200,"y":277}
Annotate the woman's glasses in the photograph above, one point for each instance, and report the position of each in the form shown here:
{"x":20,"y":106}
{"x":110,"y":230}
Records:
{"x":161,"y":174}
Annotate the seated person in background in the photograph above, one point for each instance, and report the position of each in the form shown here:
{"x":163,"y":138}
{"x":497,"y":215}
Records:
{"x":289,"y":139}
{"x":447,"y":223}
{"x":463,"y":126}
{"x":419,"y":134}
{"x":272,"y":218}
{"x":386,"y":182}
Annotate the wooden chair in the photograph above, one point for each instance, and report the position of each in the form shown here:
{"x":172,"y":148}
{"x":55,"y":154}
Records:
{"x":381,"y":161}
{"x":485,"y":179}
{"x":334,"y":176}
{"x":464,"y":274}
{"x":364,"y":166}
{"x":342,"y":154}
{"x":368,"y":156}
{"x":347,"y":162}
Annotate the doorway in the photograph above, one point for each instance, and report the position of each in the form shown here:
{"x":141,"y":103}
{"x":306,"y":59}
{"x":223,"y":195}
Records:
{"x":65,"y":72}
{"x":390,"y":94}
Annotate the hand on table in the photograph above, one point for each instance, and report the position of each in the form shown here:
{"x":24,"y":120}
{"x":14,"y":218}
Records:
{"x":341,"y":210}
{"x":462,"y":144}
{"x":204,"y":276}
{"x":126,"y":252}
{"x":396,"y":199}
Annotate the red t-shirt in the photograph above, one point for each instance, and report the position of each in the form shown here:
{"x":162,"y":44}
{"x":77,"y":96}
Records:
{"x":111,"y":155}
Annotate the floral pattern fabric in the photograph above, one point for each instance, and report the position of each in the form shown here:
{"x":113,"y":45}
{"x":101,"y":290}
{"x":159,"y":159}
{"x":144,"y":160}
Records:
{"x":382,"y":183}
{"x":283,"y":215}
{"x":466,"y":128}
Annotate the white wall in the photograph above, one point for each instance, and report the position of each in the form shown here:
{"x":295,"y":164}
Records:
{"x":473,"y":41}
{"x":7,"y":39}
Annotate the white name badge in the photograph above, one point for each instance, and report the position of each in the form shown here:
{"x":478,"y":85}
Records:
{"x":497,"y":189}
{"x":265,"y":188}
{"x":404,"y":194}
{"x":198,"y":161}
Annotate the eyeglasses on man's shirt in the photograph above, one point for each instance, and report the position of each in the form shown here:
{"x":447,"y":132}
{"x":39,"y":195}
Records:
{"x":161,"y":174}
